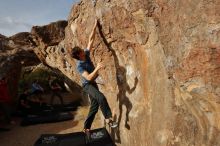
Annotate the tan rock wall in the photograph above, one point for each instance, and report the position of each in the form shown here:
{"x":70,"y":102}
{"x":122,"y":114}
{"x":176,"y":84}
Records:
{"x":162,"y":67}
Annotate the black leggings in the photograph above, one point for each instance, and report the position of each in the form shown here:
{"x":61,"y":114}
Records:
{"x":97,"y":99}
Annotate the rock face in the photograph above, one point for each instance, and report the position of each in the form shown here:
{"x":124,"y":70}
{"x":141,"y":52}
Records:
{"x":48,"y":35}
{"x":162,"y":73}
{"x":15,"y":52}
{"x":28,"y":49}
{"x":43,"y":44}
{"x":52,"y":52}
{"x":162,"y":66}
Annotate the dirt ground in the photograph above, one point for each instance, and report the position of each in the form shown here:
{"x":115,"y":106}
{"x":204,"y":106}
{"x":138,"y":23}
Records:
{"x":26,"y":136}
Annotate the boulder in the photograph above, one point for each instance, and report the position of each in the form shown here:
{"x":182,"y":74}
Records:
{"x":161,"y":74}
{"x":16,"y":51}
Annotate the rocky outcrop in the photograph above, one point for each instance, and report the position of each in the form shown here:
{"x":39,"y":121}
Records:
{"x":52,"y":52}
{"x":43,"y":44}
{"x":48,"y":35}
{"x":28,"y":49}
{"x":17,"y":49}
{"x":51,"y":34}
{"x":15,"y":52}
{"x":50,"y":46}
{"x":162,"y":67}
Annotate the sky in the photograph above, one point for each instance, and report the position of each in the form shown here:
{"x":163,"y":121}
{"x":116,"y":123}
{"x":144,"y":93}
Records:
{"x":20,"y":15}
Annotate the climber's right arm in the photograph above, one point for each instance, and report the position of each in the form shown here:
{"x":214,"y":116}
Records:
{"x":92,"y":36}
{"x":93,"y":74}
